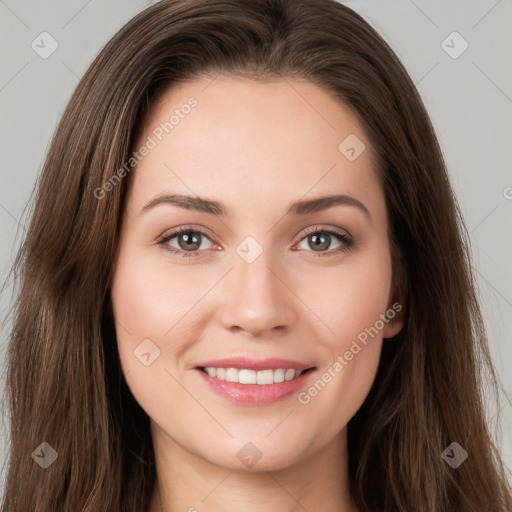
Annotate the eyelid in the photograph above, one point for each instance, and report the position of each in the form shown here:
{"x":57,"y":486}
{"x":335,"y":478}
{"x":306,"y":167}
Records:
{"x":323,"y":228}
{"x":186,"y":228}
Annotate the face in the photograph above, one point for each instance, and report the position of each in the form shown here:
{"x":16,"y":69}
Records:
{"x":251,"y":277}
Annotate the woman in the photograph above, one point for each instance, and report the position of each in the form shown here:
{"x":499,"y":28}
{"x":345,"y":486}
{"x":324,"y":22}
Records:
{"x":177,"y":343}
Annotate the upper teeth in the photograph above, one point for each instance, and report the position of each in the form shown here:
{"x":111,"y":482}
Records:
{"x":244,"y":376}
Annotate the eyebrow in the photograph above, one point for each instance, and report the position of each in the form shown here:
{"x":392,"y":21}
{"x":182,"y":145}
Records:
{"x":212,"y":207}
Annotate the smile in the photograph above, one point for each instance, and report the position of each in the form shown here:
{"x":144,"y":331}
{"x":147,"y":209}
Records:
{"x":246,"y":376}
{"x":254,"y":387}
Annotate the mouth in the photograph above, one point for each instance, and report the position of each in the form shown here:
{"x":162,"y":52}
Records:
{"x":259,"y":386}
{"x":249,"y":376}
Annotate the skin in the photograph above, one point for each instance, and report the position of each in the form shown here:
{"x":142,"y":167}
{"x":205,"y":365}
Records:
{"x":257,"y":148}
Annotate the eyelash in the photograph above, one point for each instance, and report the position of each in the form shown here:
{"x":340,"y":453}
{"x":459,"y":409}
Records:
{"x":346,"y":242}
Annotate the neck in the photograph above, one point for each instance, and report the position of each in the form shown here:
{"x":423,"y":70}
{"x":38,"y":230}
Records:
{"x":187,"y":482}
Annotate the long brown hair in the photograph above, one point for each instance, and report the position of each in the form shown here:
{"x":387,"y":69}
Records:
{"x":64,"y":383}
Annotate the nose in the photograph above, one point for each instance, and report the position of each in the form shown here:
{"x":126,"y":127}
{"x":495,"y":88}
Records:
{"x":258,"y":298}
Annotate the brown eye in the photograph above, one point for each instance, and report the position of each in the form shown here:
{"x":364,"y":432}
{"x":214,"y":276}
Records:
{"x":320,"y":240}
{"x":189,"y":242}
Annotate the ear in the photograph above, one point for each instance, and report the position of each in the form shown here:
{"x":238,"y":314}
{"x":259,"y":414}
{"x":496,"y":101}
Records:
{"x":396,"y":311}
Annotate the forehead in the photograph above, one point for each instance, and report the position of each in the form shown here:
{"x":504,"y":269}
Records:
{"x":265,"y":140}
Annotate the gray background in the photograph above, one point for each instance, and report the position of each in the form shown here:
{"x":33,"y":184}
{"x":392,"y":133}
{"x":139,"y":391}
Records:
{"x":469,"y":99}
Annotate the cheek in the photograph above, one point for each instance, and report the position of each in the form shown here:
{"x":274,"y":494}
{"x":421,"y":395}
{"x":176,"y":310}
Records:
{"x":154,"y":301}
{"x":141,"y":311}
{"x":151,"y":311}
{"x":150,"y":300}
{"x":350,"y":298}
{"x":351,"y":304}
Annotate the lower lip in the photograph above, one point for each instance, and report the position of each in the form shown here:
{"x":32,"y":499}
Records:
{"x":255,"y":394}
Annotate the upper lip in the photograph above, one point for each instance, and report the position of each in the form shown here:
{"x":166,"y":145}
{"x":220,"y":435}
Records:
{"x":254,"y":364}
